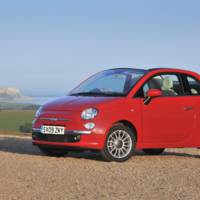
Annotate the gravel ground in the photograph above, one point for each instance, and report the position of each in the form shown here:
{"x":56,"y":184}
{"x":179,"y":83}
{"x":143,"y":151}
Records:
{"x":25,"y":173}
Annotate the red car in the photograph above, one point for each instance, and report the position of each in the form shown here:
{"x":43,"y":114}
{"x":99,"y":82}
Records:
{"x":118,"y":110}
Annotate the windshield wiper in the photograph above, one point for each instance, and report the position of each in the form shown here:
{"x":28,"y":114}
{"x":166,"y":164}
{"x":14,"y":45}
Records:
{"x":86,"y":94}
{"x":115,"y":94}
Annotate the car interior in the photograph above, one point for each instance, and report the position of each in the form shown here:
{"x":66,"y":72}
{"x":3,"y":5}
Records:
{"x":165,"y":84}
{"x":194,"y":86}
{"x":169,"y":86}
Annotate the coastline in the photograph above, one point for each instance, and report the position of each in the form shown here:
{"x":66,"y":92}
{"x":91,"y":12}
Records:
{"x":28,"y":100}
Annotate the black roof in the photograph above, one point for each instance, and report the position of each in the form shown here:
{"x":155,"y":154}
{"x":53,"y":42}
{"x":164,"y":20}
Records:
{"x":153,"y":69}
{"x":129,"y":68}
{"x":145,"y":70}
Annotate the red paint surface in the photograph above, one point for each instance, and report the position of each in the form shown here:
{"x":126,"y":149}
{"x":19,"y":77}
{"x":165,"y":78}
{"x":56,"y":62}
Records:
{"x":163,"y":123}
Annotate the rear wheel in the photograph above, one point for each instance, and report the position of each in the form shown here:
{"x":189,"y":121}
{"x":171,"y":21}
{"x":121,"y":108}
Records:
{"x":153,"y":151}
{"x":53,"y":152}
{"x":120,"y":144}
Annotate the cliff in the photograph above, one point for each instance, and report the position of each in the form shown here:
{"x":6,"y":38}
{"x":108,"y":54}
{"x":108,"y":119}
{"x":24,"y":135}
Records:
{"x":10,"y":93}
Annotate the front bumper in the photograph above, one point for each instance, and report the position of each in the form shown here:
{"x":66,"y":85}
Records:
{"x":80,"y":139}
{"x":75,"y":133}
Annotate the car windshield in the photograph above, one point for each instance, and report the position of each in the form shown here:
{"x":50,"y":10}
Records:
{"x":115,"y":82}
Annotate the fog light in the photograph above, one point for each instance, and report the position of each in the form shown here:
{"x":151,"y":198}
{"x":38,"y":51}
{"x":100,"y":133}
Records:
{"x":34,"y":136}
{"x":89,"y":125}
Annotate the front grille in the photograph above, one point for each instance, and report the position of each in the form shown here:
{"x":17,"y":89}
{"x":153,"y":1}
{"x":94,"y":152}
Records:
{"x":55,"y":138}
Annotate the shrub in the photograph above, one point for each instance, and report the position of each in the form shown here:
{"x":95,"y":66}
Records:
{"x":26,"y":128}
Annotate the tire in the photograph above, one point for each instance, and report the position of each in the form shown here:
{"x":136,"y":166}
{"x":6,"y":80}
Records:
{"x":120,"y":144}
{"x":53,"y":152}
{"x":153,"y":151}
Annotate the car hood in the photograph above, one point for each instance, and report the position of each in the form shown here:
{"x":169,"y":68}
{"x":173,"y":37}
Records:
{"x":78,"y":103}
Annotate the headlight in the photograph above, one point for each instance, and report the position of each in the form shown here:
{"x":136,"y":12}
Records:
{"x":89,"y":113}
{"x":38,"y":112}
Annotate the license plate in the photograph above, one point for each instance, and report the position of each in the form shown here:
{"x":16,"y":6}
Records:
{"x":53,"y":130}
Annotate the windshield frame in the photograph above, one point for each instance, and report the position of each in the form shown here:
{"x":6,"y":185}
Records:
{"x":113,"y":94}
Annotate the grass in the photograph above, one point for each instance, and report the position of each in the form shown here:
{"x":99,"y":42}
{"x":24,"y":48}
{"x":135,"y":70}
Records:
{"x":11,"y":120}
{"x":17,"y":106}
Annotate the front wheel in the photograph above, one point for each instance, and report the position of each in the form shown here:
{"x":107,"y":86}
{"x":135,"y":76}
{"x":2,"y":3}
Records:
{"x":120,"y":144}
{"x":53,"y":152}
{"x":153,"y":151}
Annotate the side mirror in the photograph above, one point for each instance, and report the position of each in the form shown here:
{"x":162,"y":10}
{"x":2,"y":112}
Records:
{"x":152,"y":93}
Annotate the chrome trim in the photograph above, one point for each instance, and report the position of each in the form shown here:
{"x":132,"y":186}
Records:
{"x":36,"y":129}
{"x":78,"y":132}
{"x":54,"y":119}
{"x":82,"y":132}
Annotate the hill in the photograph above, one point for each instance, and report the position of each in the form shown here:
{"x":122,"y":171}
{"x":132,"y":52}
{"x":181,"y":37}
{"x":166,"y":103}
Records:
{"x":10,"y":93}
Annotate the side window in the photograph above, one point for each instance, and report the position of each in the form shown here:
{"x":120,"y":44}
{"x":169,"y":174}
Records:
{"x":145,"y":89}
{"x":169,"y":84}
{"x":194,"y":86}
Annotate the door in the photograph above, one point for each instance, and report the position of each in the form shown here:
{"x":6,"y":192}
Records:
{"x":169,"y":119}
{"x":193,"y":93}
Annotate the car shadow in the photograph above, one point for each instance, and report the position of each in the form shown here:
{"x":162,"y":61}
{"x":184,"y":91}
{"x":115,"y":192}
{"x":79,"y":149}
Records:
{"x":24,"y":146}
{"x":170,"y":153}
{"x":180,"y":154}
{"x":18,"y":145}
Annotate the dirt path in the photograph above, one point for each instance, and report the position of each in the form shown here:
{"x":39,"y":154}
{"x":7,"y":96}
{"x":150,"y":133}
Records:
{"x":27,"y":174}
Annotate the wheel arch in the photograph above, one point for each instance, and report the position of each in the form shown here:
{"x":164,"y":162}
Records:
{"x":130,"y":125}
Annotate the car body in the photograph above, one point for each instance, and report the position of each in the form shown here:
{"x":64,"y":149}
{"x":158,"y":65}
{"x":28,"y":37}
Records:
{"x":160,"y":109}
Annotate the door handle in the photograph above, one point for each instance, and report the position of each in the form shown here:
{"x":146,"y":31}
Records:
{"x":188,"y":108}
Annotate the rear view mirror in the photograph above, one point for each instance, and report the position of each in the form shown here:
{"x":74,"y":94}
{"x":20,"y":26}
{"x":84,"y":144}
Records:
{"x":152,"y":93}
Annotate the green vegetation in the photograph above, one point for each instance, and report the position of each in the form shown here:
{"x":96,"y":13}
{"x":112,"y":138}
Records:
{"x":17,"y":106}
{"x":15,"y":121}
{"x":26,"y":128}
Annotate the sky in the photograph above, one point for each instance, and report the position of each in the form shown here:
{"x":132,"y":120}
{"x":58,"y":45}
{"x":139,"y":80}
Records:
{"x":47,"y":47}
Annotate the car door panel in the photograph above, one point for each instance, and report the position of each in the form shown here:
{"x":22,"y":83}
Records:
{"x":170,"y":119}
{"x":166,"y":120}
